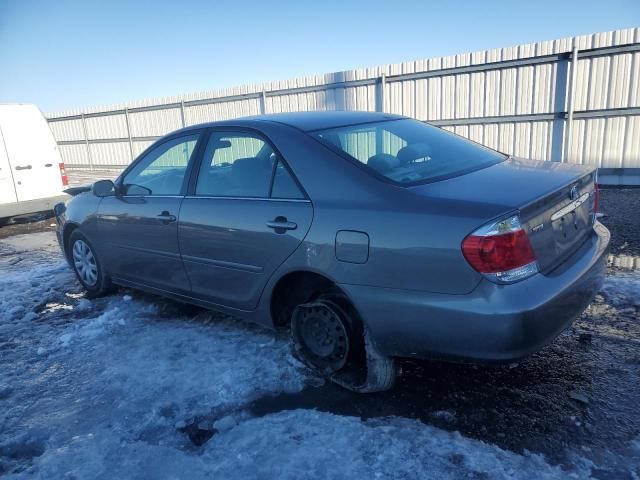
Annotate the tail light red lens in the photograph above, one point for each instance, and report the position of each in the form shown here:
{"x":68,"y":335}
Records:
{"x":596,"y":198}
{"x":63,"y":174}
{"x":501,"y":251}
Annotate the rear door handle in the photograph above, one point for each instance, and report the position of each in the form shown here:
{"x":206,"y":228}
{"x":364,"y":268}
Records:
{"x":19,"y":167}
{"x":165,"y":217}
{"x":281,"y":224}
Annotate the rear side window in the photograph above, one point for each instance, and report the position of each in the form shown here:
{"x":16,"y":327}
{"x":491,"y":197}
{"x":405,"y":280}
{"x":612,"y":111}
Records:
{"x":284,"y":186}
{"x":235,"y":165}
{"x":408,"y":151}
{"x":241,"y":164}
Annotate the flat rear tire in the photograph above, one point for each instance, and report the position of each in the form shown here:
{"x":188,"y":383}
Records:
{"x":328,"y":336}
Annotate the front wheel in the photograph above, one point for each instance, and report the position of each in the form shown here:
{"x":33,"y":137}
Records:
{"x":86,"y":265}
{"x":329,"y":337}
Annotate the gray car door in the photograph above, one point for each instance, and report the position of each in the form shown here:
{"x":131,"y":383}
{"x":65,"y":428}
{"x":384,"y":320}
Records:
{"x":138,"y":228}
{"x":246,"y":214}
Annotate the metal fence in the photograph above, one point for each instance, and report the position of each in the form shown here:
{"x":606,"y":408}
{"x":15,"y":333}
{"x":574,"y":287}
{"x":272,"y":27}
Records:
{"x":573,"y":99}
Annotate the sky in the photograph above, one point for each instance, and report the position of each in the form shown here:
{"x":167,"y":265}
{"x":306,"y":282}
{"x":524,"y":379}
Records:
{"x":67,"y":54}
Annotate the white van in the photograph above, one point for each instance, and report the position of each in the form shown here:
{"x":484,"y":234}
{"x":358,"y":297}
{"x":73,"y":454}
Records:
{"x":32,"y":174}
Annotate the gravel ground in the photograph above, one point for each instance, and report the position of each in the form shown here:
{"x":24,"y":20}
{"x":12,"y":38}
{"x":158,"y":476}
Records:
{"x":575,"y":403}
{"x":622,"y":210}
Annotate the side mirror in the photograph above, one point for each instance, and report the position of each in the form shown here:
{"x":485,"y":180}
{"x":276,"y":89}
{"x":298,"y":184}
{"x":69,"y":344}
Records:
{"x":103,"y":188}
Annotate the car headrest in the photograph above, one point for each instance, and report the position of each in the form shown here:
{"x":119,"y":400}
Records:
{"x":383,"y":162}
{"x":245,"y":165}
{"x":250,"y":172}
{"x":413,"y":152}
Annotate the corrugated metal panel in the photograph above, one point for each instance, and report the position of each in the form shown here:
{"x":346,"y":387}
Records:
{"x":594,"y":137}
{"x":490,"y":136}
{"x":155,"y":123}
{"x":221,"y":111}
{"x":631,"y":155}
{"x":110,"y":126}
{"x":506,"y":138}
{"x":73,"y":155}
{"x":576,"y":142}
{"x":614,"y":136}
{"x":140,"y":146}
{"x":110,"y":154}
{"x":68,"y":130}
{"x":544,"y":88}
{"x":463,"y":98}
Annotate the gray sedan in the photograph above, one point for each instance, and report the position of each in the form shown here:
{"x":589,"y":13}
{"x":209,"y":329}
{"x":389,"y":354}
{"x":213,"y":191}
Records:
{"x":370,"y":236}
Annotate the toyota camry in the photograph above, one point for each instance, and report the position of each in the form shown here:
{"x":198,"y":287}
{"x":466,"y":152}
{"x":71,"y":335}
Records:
{"x":370,"y":236}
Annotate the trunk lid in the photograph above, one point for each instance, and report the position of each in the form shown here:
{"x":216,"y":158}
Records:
{"x":554,"y":200}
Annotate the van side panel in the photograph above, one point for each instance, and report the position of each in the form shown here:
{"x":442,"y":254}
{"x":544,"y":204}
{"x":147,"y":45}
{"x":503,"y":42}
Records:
{"x":7,"y":190}
{"x":32,"y":152}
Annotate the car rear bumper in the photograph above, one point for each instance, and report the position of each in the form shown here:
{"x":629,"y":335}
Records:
{"x":492,"y":323}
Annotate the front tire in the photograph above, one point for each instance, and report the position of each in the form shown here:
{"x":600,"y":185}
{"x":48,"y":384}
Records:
{"x":329,"y":337}
{"x":87,"y":266}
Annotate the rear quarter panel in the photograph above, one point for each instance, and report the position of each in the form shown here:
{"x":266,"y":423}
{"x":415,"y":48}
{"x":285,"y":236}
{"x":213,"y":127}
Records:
{"x":414,"y":241}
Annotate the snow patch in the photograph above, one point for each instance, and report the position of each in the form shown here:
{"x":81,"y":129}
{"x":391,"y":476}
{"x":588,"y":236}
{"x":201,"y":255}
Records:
{"x":118,"y":382}
{"x":323,"y":445}
{"x":622,"y":289}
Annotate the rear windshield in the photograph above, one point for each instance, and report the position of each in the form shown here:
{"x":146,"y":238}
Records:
{"x":409,"y":151}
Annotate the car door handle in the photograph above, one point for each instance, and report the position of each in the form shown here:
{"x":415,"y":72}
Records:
{"x":280,"y":224}
{"x":165,"y":217}
{"x":20,"y":167}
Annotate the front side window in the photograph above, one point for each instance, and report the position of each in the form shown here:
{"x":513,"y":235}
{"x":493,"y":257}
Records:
{"x":409,"y":151}
{"x":162,"y":170}
{"x":241,"y":164}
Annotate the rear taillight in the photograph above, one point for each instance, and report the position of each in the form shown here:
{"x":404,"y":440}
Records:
{"x":595,"y":204}
{"x":63,"y":174}
{"x":501,"y":251}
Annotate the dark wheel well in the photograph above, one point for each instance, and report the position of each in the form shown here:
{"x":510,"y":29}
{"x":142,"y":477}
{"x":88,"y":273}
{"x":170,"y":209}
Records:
{"x":66,"y":234}
{"x":294,"y":289}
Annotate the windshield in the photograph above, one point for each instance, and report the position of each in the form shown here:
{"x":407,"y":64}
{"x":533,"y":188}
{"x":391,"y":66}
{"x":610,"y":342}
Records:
{"x":409,"y":151}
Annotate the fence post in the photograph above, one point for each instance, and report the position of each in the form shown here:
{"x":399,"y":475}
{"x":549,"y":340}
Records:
{"x":572,"y":89}
{"x":263,"y":103}
{"x":126,"y":116}
{"x":559,"y":109}
{"x":184,"y":124}
{"x":86,"y":141}
{"x":382,"y":82}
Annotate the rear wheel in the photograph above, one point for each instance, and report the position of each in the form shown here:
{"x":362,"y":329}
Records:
{"x":328,"y":337}
{"x":87,"y":266}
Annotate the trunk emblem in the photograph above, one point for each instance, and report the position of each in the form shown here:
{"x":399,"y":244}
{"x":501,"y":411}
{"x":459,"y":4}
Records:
{"x":573,"y":193}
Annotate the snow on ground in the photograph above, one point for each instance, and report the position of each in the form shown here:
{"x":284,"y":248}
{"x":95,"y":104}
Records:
{"x":133,"y":386}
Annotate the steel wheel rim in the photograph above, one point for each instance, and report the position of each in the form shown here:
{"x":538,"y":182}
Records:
{"x":323,"y":336}
{"x":84,"y":262}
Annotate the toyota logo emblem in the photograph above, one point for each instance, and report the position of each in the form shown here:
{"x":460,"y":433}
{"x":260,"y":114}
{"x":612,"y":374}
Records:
{"x":573,"y":193}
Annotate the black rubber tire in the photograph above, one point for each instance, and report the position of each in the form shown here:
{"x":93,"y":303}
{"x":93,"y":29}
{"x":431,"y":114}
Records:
{"x":103,"y":283}
{"x":365,"y":370}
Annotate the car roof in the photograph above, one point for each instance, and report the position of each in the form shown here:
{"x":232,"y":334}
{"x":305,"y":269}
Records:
{"x":306,"y":121}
